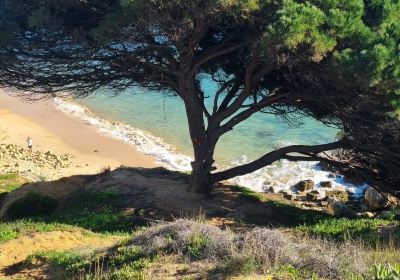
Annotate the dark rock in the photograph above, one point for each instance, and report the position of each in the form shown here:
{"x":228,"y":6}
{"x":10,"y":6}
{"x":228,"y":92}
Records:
{"x":326,"y":184}
{"x":301,"y":198}
{"x":289,"y":196}
{"x":271,"y":190}
{"x":374,"y":199}
{"x":312,"y":196}
{"x":305,"y":185}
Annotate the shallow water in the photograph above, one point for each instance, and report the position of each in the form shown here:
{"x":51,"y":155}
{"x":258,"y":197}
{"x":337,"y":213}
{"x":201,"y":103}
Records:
{"x":156,"y":124}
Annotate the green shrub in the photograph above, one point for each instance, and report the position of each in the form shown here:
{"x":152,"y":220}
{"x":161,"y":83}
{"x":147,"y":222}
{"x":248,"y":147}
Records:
{"x":347,"y":229}
{"x":7,"y":234}
{"x":127,"y":272}
{"x":96,"y":211}
{"x":290,"y":272}
{"x":15,"y":229}
{"x":125,"y":254}
{"x":10,"y":182}
{"x":72,"y":262}
{"x":385,"y":272}
{"x":196,"y":244}
{"x":248,"y":193}
{"x":31,"y":205}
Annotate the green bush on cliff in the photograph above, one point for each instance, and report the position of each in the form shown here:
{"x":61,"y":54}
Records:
{"x":31,"y":205}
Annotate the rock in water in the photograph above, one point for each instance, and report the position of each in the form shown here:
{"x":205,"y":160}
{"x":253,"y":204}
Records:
{"x":374,"y":199}
{"x":305,"y":185}
{"x":313,"y":195}
{"x":326,"y":184}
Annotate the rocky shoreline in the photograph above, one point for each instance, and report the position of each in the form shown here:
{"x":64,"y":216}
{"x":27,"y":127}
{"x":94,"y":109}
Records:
{"x":341,"y":202}
{"x":45,"y":165}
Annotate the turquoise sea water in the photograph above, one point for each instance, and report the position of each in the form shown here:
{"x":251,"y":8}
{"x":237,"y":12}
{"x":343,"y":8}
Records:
{"x":163,"y":115}
{"x":155,"y":123}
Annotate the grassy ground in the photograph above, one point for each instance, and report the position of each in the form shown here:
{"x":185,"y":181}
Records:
{"x":10,"y":182}
{"x":97,"y":212}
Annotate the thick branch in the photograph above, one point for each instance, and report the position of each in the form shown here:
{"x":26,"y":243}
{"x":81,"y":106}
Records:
{"x":244,"y":115}
{"x":213,"y":53}
{"x":274,"y":156}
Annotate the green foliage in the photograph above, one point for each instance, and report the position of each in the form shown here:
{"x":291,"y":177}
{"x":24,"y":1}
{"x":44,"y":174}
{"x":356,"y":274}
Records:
{"x":7,"y":233}
{"x":126,"y":254}
{"x":291,"y":272}
{"x":31,"y":205}
{"x":343,"y":229}
{"x":92,"y":211}
{"x":129,"y":272}
{"x":95,"y":211}
{"x":71,"y":261}
{"x":385,"y":272}
{"x":10,"y":182}
{"x":12,"y":230}
{"x":125,"y":263}
{"x":248,"y":193}
{"x":196,"y":245}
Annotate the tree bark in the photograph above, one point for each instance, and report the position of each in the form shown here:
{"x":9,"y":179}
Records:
{"x":203,"y":140}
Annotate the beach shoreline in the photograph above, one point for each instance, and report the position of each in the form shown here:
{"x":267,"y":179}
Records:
{"x":55,"y":131}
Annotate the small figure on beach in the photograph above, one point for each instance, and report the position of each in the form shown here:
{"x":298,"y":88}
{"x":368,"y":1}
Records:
{"x":30,"y":143}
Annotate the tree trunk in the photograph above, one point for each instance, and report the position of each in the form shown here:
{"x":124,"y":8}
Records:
{"x":203,"y":142}
{"x":200,"y":179}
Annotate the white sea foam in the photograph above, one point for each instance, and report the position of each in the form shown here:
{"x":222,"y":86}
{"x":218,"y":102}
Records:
{"x":280,"y":176}
{"x":284,"y":174}
{"x":143,"y":141}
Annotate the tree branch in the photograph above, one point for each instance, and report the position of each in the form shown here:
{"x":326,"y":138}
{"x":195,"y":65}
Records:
{"x":213,"y":53}
{"x":273,"y":156}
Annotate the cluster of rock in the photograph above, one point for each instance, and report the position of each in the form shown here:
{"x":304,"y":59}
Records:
{"x":340,"y":202}
{"x":14,"y":159}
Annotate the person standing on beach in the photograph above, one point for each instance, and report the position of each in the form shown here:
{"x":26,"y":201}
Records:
{"x":30,"y":143}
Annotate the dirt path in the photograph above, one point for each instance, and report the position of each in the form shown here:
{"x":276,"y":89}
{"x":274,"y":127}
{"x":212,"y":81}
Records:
{"x":15,"y":251}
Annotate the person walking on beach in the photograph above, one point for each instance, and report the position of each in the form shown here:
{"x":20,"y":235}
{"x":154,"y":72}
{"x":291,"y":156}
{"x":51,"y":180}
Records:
{"x":30,"y":143}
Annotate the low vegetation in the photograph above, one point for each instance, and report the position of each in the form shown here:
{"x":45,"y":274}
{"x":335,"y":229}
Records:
{"x":306,"y":245}
{"x":18,"y":228}
{"x":259,"y":251}
{"x":10,"y":182}
{"x":31,"y":205}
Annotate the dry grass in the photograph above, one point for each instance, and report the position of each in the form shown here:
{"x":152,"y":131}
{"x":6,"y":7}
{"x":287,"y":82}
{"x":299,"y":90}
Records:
{"x":260,"y":249}
{"x":185,"y":236}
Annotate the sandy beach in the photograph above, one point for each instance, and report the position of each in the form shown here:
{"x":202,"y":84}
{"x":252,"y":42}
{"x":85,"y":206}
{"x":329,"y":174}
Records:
{"x":55,"y":131}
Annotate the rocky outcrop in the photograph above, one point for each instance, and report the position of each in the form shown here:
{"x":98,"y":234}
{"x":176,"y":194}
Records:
{"x":326,"y":184}
{"x":313,"y":195}
{"x":337,"y":208}
{"x":305,"y":185}
{"x":342,"y":196}
{"x":374,"y":199}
